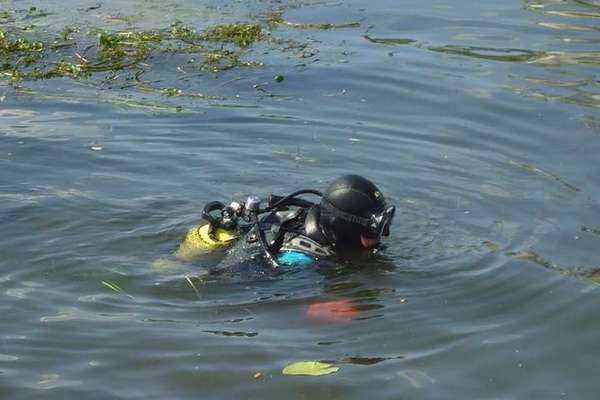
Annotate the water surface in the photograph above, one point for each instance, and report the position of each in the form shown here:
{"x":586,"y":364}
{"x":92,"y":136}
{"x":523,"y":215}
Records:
{"x":480,"y":121}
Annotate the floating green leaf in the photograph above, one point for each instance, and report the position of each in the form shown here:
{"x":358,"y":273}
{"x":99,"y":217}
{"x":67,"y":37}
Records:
{"x":312,"y":368}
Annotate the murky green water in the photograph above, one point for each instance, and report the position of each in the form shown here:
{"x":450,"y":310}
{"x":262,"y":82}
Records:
{"x":481,"y":120}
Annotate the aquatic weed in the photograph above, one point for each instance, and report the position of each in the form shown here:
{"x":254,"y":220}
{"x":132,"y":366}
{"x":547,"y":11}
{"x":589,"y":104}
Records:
{"x":19,"y":45}
{"x":242,"y":35}
{"x":218,"y":58}
{"x":184,"y":33}
{"x":389,"y":41}
{"x":124,"y":55}
{"x":134,"y":46}
{"x":35,"y":12}
{"x":276,"y":18}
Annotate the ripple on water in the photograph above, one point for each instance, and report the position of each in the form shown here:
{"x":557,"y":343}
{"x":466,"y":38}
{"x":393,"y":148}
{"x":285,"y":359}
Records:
{"x":53,"y":381}
{"x":19,"y":293}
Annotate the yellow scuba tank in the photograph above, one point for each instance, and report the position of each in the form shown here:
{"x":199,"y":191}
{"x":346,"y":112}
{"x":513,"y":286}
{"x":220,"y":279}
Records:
{"x":215,"y":232}
{"x":198,"y":240}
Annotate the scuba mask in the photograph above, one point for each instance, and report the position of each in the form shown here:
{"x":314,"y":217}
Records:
{"x":375,"y":226}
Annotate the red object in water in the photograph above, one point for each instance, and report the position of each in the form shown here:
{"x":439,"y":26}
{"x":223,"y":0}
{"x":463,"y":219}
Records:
{"x":339,"y":310}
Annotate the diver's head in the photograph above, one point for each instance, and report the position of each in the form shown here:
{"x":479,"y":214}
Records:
{"x":354,"y":214}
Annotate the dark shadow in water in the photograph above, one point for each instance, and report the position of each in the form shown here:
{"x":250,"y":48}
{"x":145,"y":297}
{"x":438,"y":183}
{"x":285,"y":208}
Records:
{"x":230,"y":333}
{"x":488,"y":53}
{"x":593,"y":231}
{"x":366,"y":361}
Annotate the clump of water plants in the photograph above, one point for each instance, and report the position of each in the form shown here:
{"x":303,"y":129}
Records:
{"x":35,"y":12}
{"x":184,"y":33}
{"x":218,"y":58}
{"x":222,"y":59}
{"x":218,"y":48}
{"x":19,"y":45}
{"x":122,"y":57}
{"x":242,"y":35}
{"x":18,"y":53}
{"x":121,"y":48}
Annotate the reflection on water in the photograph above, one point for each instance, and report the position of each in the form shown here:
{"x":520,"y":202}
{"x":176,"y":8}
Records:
{"x":520,"y":55}
{"x":573,"y":44}
{"x":512,"y":55}
{"x":416,"y":378}
{"x":575,"y":24}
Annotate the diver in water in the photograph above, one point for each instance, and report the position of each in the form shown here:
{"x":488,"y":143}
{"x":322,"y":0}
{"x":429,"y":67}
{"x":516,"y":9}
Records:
{"x":351,"y":218}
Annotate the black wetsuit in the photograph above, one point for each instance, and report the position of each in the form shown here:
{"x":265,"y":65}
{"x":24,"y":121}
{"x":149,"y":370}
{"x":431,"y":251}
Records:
{"x":297,"y":238}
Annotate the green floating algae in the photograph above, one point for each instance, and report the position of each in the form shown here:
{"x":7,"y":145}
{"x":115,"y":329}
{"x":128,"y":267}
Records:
{"x":125,"y":55}
{"x":133,"y":58}
{"x":184,"y":33}
{"x":176,"y":92}
{"x":535,"y":170}
{"x":19,"y":45}
{"x":389,"y":41}
{"x":573,"y":57}
{"x":580,"y":98}
{"x":171,"y":92}
{"x":124,"y":19}
{"x":529,"y":255}
{"x":124,"y":47}
{"x":211,"y":44}
{"x":491,"y":246}
{"x":35,"y":12}
{"x":587,"y":229}
{"x":578,"y":14}
{"x":217,"y":48}
{"x":115,"y":100}
{"x":242,"y":35}
{"x":587,"y":274}
{"x":24,"y":59}
{"x":276,"y":18}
